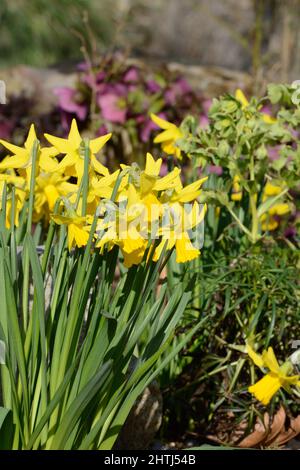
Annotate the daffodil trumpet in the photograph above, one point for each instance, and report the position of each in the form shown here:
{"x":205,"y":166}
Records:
{"x":276,"y":377}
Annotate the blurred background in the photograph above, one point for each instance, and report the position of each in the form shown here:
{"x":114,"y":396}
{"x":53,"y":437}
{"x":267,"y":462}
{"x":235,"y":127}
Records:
{"x":110,"y":63}
{"x":260,"y":37}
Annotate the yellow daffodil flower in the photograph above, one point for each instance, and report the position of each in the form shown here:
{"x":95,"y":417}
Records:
{"x":48,"y":188}
{"x":175,"y":233}
{"x":188,"y":193}
{"x":277,"y":377}
{"x":135,"y":217}
{"x":74,"y":157}
{"x":149,"y":181}
{"x":77,"y":229}
{"x":239,"y":96}
{"x":125,"y":229}
{"x":150,"y":176}
{"x":237,"y":192}
{"x":271,"y":190}
{"x":269,"y":221}
{"x":171,"y":133}
{"x":102,"y":187}
{"x":21,"y":159}
{"x":20,"y":197}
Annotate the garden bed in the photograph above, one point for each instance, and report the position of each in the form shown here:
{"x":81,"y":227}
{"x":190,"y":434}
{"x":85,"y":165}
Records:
{"x":149,"y":259}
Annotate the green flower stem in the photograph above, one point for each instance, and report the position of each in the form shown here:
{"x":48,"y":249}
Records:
{"x":197,"y":289}
{"x":85,"y":188}
{"x":13,"y":246}
{"x":26,"y":282}
{"x":34,"y":158}
{"x":254,"y":229}
{"x":241,"y":225}
{"x":253,"y":208}
{"x":197,"y":263}
{"x":49,"y":239}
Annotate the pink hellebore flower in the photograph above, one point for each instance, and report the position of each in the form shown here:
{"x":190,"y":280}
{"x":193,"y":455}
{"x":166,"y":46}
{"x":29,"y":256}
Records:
{"x":131,"y":75}
{"x":153,"y":86}
{"x":176,"y":90}
{"x":67,"y":102}
{"x":163,"y":169}
{"x":215,"y":169}
{"x":6,"y":129}
{"x":203,"y":121}
{"x":102,"y":130}
{"x":273,"y":152}
{"x":266,"y":109}
{"x":146,"y":127}
{"x":206,"y":104}
{"x":183,"y":85}
{"x":111,"y":109}
{"x":290,"y":232}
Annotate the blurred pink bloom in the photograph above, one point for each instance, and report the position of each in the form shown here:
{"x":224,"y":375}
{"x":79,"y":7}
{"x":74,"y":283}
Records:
{"x":203,"y":121}
{"x":153,"y":86}
{"x":176,"y":90}
{"x":206,"y":104}
{"x":215,"y":169}
{"x":294,"y":133}
{"x":273,"y":152}
{"x":66,"y":120}
{"x":290,"y":232}
{"x":266,"y":109}
{"x":93,"y":81}
{"x":67,"y":102}
{"x":163,"y":169}
{"x":170,"y":96}
{"x":146,"y":130}
{"x":131,"y":75}
{"x":82,"y":67}
{"x":183,"y":85}
{"x":6,"y":128}
{"x":102,"y":130}
{"x":140,"y":119}
{"x":89,"y":80}
{"x":100,"y":76}
{"x":111,"y":109}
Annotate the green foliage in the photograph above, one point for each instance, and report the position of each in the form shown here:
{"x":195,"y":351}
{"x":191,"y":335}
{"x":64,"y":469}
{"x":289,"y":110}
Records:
{"x":239,"y":139}
{"x":39,"y":32}
{"x":250,"y":295}
{"x":82,"y":339}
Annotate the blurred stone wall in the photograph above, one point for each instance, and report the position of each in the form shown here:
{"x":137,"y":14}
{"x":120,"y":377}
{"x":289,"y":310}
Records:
{"x":198,"y":31}
{"x":218,"y":33}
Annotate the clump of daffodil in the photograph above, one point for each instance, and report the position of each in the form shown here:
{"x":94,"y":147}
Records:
{"x":135,"y":208}
{"x":269,"y":221}
{"x":152,"y":207}
{"x":176,"y":232}
{"x":171,"y":133}
{"x":276,"y":376}
{"x":125,"y":229}
{"x":16,"y":169}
